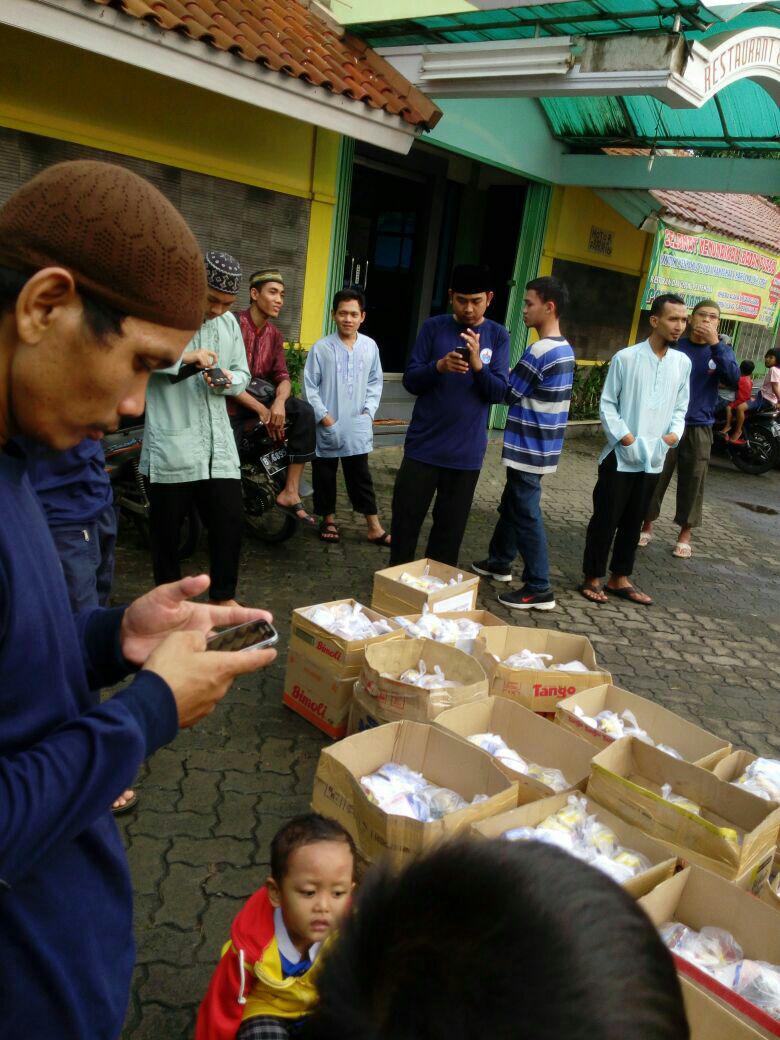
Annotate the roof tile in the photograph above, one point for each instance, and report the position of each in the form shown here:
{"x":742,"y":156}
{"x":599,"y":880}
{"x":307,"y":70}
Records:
{"x":287,"y":36}
{"x":750,"y":218}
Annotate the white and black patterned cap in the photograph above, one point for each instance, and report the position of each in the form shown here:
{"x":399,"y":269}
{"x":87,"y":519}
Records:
{"x":223,"y":272}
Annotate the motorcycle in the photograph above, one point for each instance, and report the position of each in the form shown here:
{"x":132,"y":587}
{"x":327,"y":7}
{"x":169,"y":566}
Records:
{"x":761,"y":451}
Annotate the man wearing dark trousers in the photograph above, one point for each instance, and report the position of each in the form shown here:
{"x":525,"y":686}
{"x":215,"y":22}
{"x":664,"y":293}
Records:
{"x":459,"y":366}
{"x":643,"y":407}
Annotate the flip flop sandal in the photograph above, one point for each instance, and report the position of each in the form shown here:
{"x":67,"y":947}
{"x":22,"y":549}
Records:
{"x":307,"y":521}
{"x":383,"y":541}
{"x":630,"y":593}
{"x":585,"y":588}
{"x":329,"y":533}
{"x":682,"y":551}
{"x":129,"y":804}
{"x":644,"y":539}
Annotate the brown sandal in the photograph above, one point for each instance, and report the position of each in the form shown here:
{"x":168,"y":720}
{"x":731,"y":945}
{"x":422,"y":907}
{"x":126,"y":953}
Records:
{"x":329,"y":532}
{"x":597,"y":596}
{"x":630,"y":593}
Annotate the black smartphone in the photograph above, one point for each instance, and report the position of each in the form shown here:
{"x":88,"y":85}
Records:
{"x":217,"y":377}
{"x":464,"y":352}
{"x":253,"y":635}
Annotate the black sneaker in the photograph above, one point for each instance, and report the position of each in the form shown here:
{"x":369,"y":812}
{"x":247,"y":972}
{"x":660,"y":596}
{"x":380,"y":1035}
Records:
{"x":483,"y":567}
{"x":525,"y":599}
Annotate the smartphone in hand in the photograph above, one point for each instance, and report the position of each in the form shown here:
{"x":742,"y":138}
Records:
{"x":217,"y":377}
{"x":253,"y":635}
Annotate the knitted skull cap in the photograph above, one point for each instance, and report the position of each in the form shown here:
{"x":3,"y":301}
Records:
{"x":223,"y":272}
{"x":124,"y":243}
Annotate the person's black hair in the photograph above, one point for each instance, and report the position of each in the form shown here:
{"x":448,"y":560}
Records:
{"x":345,"y":295}
{"x":706,"y":303}
{"x":775,"y":353}
{"x":549,"y":288}
{"x":307,"y":829}
{"x":498,"y":939}
{"x":101,"y":320}
{"x":746,"y":368}
{"x":658,"y":304}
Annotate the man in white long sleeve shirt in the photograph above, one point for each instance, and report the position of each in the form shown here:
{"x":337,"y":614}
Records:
{"x":643,"y":408}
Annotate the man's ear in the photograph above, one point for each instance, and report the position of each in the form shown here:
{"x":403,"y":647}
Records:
{"x":274,"y":893}
{"x":42,"y":300}
{"x":490,"y":296}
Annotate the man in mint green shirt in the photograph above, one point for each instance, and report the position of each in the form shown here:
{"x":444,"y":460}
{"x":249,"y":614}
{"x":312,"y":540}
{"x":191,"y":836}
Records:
{"x":643,"y":408}
{"x":189,"y":451}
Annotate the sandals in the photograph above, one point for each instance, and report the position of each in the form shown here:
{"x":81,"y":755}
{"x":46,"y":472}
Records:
{"x":294,"y":511}
{"x":630,"y":593}
{"x":644,"y":539}
{"x":129,"y":804}
{"x":383,"y":541}
{"x":329,"y":532}
{"x":592,"y":592}
{"x":682,"y":551}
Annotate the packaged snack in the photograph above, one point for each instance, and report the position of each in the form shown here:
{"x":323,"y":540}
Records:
{"x":420,"y":676}
{"x":497,"y":746}
{"x":527,"y":659}
{"x":443,"y":630}
{"x":426,"y":582}
{"x":622,"y":725}
{"x":708,"y":949}
{"x":762,"y":777}
{"x":347,"y":621}
{"x":401,"y":791}
{"x":677,"y":799}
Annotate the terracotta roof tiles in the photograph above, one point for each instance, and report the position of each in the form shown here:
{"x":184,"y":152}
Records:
{"x":750,"y":218}
{"x":288,"y":37}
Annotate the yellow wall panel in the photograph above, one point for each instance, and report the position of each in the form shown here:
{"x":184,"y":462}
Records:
{"x":574,"y":212}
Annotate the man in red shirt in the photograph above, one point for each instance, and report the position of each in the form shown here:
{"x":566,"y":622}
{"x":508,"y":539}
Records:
{"x":265,"y":355}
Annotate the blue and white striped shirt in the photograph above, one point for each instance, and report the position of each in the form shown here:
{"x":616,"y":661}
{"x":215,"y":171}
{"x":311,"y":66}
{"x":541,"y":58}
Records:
{"x":539,"y":394}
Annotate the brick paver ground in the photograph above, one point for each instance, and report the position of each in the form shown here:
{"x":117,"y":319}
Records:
{"x":209,"y":804}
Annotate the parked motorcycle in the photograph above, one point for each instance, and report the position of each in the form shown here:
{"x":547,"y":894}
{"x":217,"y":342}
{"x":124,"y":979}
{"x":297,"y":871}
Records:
{"x":761,"y":451}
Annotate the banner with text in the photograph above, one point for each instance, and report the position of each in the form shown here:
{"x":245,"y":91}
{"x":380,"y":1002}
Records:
{"x":743,"y":279}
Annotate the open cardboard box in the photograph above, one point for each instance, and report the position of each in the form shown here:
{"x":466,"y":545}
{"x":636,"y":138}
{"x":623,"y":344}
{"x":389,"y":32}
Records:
{"x":697,"y":898}
{"x":735,"y":832}
{"x":531,"y":815}
{"x":693,"y":743}
{"x":482,"y":617}
{"x":394,"y":700}
{"x":344,"y":654}
{"x":442,"y":758}
{"x":533,"y":738}
{"x":392,"y":597}
{"x":538,"y":690}
{"x":734,"y":765}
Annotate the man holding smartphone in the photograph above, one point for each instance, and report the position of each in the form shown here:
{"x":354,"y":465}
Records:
{"x":189,"y":451}
{"x":459,"y":366}
{"x":101,"y":283}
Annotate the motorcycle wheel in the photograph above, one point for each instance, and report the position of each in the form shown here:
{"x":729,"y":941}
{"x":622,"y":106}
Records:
{"x":759,"y":455}
{"x":262,"y":520}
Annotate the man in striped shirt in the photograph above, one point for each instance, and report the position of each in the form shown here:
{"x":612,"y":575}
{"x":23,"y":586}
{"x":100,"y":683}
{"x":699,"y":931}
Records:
{"x":539,"y":393}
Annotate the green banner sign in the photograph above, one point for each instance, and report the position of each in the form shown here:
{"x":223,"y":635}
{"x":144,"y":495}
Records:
{"x":743,"y":279}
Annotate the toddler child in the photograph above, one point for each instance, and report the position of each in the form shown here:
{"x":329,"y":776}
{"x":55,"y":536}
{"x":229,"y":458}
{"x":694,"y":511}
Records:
{"x":264,"y":986}
{"x":739,"y":405}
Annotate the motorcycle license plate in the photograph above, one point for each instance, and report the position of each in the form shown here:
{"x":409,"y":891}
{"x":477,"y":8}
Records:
{"x":274,"y":461}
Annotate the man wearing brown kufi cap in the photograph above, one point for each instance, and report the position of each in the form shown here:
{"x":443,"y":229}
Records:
{"x":101,"y":282}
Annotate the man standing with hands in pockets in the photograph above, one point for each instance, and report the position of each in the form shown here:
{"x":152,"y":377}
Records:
{"x":101,"y":283}
{"x":643,"y":407}
{"x":459,"y":366}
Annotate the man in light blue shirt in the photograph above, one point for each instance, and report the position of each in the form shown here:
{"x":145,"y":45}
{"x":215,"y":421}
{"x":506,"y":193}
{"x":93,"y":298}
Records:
{"x":343,"y":381}
{"x":643,"y":406}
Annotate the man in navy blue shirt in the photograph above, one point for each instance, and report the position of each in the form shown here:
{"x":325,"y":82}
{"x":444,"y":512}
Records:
{"x":712,"y":362}
{"x":459,"y":366}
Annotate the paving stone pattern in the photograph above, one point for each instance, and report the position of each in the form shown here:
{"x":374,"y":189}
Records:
{"x":210,"y":803}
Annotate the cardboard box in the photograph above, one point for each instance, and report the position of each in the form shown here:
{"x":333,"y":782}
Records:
{"x":627,"y":777}
{"x":392,"y":597}
{"x":732,"y":766}
{"x":320,"y":695}
{"x":482,"y":617}
{"x":698,"y":899}
{"x":538,"y":690}
{"x":710,"y":1020}
{"x":693,"y":743}
{"x":362,"y":712}
{"x":394,"y":700}
{"x":530,"y":815}
{"x":442,"y":758}
{"x":532,"y":737}
{"x":343,"y":655}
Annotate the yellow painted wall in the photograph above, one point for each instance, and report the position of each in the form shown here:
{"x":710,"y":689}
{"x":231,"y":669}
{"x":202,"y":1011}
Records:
{"x":573,"y":212}
{"x":58,"y":91}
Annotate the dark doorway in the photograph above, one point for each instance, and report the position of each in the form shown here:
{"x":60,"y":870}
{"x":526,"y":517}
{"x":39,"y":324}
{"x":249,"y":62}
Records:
{"x":503,"y":216}
{"x":385,"y":255}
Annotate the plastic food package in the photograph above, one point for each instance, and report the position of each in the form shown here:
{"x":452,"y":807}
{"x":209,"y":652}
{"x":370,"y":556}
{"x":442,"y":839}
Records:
{"x":762,"y":777}
{"x":717,"y":952}
{"x":526,"y":658}
{"x":347,"y":622}
{"x":401,"y":791}
{"x":622,"y":725}
{"x":677,"y":799}
{"x":497,"y":747}
{"x":585,"y":837}
{"x":443,"y":630}
{"x":426,"y":582}
{"x":420,"y":676}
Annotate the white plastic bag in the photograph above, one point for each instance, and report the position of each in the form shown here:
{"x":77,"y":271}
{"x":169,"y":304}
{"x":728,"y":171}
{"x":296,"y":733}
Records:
{"x":346,"y":621}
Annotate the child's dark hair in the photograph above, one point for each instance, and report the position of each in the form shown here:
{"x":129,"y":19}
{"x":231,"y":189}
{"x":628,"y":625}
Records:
{"x":307,"y":829}
{"x":512,"y":941}
{"x":746,"y":368}
{"x":345,"y":295}
{"x":549,"y":288}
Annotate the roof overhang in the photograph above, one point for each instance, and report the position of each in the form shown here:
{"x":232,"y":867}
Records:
{"x":679,"y":73}
{"x":110,"y":33}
